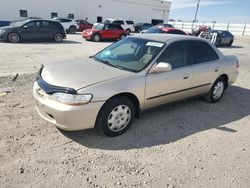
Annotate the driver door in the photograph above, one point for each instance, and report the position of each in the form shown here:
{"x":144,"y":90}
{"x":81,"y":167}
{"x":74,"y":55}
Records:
{"x":170,"y":86}
{"x":31,"y":31}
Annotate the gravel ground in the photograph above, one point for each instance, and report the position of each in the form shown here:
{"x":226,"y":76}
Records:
{"x":189,"y":144}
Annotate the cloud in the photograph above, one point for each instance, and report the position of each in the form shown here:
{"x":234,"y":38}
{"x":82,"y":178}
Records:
{"x":179,"y":4}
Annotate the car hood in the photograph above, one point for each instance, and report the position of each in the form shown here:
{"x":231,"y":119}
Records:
{"x":78,"y":74}
{"x":89,"y":30}
{"x":8,"y":27}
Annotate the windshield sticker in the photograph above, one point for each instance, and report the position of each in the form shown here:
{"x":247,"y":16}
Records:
{"x":155,"y":44}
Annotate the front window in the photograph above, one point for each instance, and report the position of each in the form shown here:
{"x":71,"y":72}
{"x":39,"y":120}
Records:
{"x":132,"y":54}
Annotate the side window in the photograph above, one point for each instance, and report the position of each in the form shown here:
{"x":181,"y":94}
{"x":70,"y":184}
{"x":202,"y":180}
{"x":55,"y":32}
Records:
{"x":201,"y":52}
{"x":120,"y":22}
{"x":174,"y":54}
{"x":130,"y":22}
{"x":33,"y":24}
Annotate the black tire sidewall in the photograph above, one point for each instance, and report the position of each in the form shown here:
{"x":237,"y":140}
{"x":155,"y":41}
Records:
{"x":102,"y":119}
{"x":212,"y":100}
{"x":128,"y":31}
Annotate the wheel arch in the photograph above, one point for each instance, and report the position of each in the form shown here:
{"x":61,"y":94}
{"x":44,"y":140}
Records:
{"x":131,"y":97}
{"x":225,"y":77}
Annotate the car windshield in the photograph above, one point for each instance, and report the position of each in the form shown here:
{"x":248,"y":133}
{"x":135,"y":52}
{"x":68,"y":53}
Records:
{"x":131,"y":54}
{"x":20,"y":23}
{"x":99,"y":26}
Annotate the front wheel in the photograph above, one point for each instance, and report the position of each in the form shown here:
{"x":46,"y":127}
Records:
{"x":128,"y":31}
{"x":116,"y":116}
{"x":72,"y":30}
{"x":217,"y":91}
{"x":14,"y":38}
{"x":96,"y":38}
{"x":122,"y":36}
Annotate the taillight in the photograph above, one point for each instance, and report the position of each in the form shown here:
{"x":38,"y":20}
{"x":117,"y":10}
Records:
{"x":238,"y":64}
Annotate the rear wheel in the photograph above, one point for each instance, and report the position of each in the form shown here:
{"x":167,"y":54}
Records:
{"x":128,"y":31}
{"x":14,"y":38}
{"x":122,"y":36}
{"x":230,"y":43}
{"x":72,"y":29}
{"x":217,"y":91}
{"x":96,"y":38}
{"x":116,"y":116}
{"x":58,"y":37}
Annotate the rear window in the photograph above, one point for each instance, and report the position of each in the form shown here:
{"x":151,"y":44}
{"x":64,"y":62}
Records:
{"x":200,"y":52}
{"x":130,"y":22}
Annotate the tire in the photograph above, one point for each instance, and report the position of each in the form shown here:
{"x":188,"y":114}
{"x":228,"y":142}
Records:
{"x":116,"y":116}
{"x":217,"y":90}
{"x":218,"y":43}
{"x":96,"y":38}
{"x":128,"y":31}
{"x":14,"y":38}
{"x":122,"y":36}
{"x":72,"y":29}
{"x":230,"y":43}
{"x":58,"y":37}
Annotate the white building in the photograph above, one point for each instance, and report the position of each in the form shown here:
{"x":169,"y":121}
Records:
{"x":95,"y":10}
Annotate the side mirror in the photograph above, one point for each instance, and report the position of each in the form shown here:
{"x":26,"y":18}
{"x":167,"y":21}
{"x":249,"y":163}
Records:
{"x":25,"y":27}
{"x":161,"y":67}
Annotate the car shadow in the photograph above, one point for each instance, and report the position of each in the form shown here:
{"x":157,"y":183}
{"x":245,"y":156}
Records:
{"x":230,"y":47}
{"x":170,"y":123}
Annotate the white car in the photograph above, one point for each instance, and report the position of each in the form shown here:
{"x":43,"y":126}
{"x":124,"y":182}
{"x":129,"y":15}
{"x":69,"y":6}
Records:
{"x":127,"y":25}
{"x":69,"y":25}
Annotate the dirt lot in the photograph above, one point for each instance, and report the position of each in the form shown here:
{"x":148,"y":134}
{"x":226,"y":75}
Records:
{"x":190,"y":144}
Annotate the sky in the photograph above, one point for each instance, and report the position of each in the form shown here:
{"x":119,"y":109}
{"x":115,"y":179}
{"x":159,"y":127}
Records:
{"x":234,"y":11}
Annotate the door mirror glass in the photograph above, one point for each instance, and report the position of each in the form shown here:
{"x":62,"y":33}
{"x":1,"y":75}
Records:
{"x":25,"y":27}
{"x":161,"y":67}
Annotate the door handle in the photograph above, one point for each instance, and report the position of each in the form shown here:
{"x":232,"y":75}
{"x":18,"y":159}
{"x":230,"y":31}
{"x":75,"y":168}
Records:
{"x":186,"y":77}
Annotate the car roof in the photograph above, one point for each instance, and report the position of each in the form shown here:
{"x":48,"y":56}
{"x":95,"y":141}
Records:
{"x":48,"y":20}
{"x":165,"y":37}
{"x":169,"y":29}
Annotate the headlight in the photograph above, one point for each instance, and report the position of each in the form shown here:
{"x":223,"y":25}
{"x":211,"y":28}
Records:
{"x":70,"y":99}
{"x":91,"y":32}
{"x":2,"y":31}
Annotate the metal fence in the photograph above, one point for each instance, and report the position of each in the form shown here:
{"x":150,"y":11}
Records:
{"x":235,"y":29}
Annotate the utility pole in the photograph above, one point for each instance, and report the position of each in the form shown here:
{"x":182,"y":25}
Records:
{"x":196,"y":12}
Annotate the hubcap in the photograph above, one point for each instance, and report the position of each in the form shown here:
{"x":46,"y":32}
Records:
{"x":58,"y":38}
{"x":119,"y":118}
{"x":218,"y":90}
{"x":13,"y":37}
{"x":96,"y":38}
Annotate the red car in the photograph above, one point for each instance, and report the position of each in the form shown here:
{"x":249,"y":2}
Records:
{"x":83,"y":24}
{"x":169,"y":30}
{"x":104,"y":31}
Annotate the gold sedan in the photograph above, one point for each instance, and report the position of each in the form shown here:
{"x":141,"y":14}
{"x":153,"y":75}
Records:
{"x":110,"y":89}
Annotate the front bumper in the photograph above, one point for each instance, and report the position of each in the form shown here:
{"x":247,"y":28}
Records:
{"x":86,"y":36}
{"x":3,"y":36}
{"x":66,"y":117}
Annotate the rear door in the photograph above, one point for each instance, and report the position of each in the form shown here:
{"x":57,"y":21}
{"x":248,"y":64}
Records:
{"x":173,"y":85}
{"x":48,"y":29}
{"x":205,"y":65}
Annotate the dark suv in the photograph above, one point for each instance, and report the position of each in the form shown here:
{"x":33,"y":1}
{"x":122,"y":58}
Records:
{"x":33,"y":30}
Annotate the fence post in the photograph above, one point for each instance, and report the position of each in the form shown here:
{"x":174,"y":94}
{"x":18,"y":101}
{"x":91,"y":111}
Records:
{"x":244,"y":29}
{"x":227,"y":25}
{"x":182,"y":26}
{"x":213,"y":25}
